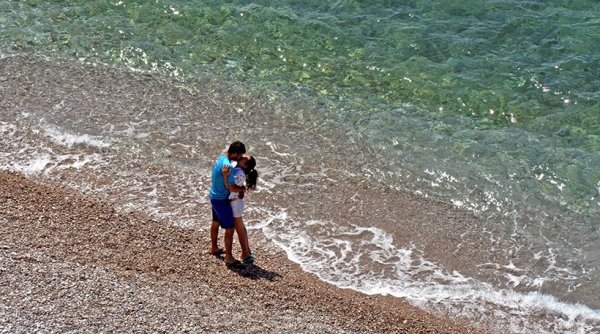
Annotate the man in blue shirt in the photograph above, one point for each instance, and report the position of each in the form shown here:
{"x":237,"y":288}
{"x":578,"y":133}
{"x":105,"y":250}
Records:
{"x":222,"y":183}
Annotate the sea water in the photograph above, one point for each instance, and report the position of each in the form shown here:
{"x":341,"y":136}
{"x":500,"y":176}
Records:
{"x":486,"y":112}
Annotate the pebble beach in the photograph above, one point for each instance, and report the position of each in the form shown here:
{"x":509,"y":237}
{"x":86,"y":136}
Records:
{"x":72,"y":263}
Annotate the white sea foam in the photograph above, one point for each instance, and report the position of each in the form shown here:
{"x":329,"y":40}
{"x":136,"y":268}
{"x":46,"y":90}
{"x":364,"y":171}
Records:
{"x":338,"y":256}
{"x":47,"y":163}
{"x":34,"y":158}
{"x":32,"y":166}
{"x":7,"y":129}
{"x":64,"y":138}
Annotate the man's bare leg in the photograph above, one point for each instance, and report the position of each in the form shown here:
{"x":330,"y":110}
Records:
{"x":229,"y":245}
{"x":214,"y":235}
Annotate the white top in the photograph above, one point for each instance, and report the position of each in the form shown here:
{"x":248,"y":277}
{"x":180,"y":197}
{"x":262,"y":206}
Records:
{"x":240,"y":179}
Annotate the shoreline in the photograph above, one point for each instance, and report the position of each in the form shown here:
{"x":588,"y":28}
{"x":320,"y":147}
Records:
{"x":82,"y":127}
{"x":72,"y":262}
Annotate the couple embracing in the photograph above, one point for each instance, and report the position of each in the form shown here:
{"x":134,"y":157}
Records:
{"x":232,"y":174}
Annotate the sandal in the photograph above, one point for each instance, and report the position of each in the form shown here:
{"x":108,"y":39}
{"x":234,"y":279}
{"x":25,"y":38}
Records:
{"x":235,"y":265}
{"x":249,"y":259}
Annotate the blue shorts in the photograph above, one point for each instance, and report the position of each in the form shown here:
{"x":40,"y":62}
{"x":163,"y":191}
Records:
{"x":222,"y":212}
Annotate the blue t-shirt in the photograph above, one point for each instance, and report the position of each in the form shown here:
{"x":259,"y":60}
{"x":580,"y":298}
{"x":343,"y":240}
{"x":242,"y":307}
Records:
{"x":217,"y":187}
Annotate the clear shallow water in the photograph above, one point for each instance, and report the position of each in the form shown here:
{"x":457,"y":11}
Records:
{"x":492,"y":107}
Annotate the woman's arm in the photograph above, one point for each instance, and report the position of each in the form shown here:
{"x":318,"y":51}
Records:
{"x":232,"y":187}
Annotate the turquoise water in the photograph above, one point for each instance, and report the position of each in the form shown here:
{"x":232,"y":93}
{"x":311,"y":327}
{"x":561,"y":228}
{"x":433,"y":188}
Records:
{"x":500,"y":63}
{"x":493,"y":106}
{"x":465,"y":71}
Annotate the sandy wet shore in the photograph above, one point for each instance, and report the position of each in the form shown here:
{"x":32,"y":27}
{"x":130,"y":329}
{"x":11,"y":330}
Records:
{"x":69,"y":262}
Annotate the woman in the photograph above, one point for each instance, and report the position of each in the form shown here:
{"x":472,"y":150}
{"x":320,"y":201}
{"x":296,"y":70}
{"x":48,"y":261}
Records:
{"x":245,"y":176}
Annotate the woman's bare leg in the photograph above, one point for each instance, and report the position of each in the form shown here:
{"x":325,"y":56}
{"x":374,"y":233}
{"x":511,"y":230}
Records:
{"x":240,"y":228}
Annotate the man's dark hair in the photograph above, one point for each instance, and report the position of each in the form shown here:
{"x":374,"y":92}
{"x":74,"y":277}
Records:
{"x":237,"y":147}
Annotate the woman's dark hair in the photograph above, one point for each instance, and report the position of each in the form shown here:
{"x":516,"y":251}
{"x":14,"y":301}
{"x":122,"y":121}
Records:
{"x":251,"y":173}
